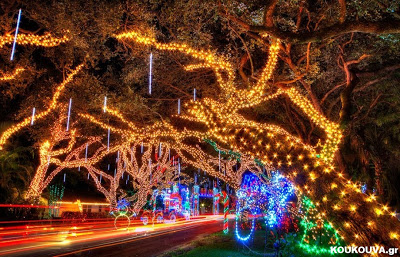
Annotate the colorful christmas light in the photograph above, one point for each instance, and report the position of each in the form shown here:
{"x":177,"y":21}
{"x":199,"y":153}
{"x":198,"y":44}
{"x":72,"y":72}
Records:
{"x":269,"y":144}
{"x":226,"y":210}
{"x":318,"y":235}
{"x":262,"y":197}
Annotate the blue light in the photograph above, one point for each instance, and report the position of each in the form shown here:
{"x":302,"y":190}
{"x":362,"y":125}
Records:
{"x":69,"y":112}
{"x":150,"y":72}
{"x":238,"y":236}
{"x":280,"y":191}
{"x":108,"y":140}
{"x":122,"y":205}
{"x":16,"y":35}
{"x":33,"y":115}
{"x":364,"y":188}
{"x":267,"y":198}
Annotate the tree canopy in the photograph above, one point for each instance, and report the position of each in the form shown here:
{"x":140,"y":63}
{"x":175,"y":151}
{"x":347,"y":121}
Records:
{"x":343,"y":56}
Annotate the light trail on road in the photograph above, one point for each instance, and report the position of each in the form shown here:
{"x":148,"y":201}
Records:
{"x":53,"y":238}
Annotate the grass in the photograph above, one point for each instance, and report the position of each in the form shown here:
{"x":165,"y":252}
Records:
{"x":217,"y":244}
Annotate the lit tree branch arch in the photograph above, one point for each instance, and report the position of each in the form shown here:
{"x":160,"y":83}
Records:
{"x":311,"y":169}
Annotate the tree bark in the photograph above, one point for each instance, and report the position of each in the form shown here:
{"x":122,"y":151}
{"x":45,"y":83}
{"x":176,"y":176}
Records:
{"x":378,"y":177}
{"x":343,"y":11}
{"x":345,"y":97}
{"x":386,"y":26}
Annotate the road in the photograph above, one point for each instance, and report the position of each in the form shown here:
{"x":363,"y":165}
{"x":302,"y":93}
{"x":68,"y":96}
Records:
{"x":100,"y":238}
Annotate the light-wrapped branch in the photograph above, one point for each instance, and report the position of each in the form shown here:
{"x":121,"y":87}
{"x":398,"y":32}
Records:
{"x":47,"y":40}
{"x":51,"y":107}
{"x":12,"y":75}
{"x":218,"y":64}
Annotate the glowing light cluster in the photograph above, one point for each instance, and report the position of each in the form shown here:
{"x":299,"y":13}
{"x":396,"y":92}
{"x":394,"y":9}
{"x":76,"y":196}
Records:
{"x":46,"y":40}
{"x":148,"y":172}
{"x":334,"y":133}
{"x":262,"y":197}
{"x":310,"y":168}
{"x":209,"y":58}
{"x":237,"y":230}
{"x":214,"y":113}
{"x":318,"y":235}
{"x":52,"y":105}
{"x":12,"y":75}
{"x":195,"y":200}
{"x":226,"y":210}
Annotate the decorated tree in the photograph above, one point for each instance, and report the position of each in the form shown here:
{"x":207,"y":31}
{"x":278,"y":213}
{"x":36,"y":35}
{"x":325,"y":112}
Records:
{"x":290,"y":83}
{"x":56,"y":193}
{"x":317,"y":234}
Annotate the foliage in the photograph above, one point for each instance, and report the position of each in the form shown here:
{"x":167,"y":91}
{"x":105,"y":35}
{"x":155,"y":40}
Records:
{"x":16,"y":173}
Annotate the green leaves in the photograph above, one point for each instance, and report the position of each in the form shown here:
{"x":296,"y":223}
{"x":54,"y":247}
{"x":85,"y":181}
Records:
{"x":16,"y":171}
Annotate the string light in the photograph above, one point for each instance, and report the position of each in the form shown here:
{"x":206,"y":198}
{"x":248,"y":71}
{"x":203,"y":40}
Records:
{"x":12,"y":75}
{"x":225,"y":125}
{"x":161,"y":169}
{"x":269,"y":144}
{"x":196,"y":200}
{"x":317,"y":235}
{"x":47,"y":40}
{"x":207,"y":56}
{"x":237,"y":233}
{"x":226,"y":210}
{"x":53,"y":104}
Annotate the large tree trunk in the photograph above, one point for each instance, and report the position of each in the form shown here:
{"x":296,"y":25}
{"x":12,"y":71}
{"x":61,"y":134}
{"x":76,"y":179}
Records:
{"x":359,"y":218}
{"x":345,"y":98}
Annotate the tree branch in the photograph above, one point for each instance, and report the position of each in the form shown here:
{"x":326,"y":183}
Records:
{"x":343,"y":11}
{"x":269,"y":11}
{"x":385,"y":26}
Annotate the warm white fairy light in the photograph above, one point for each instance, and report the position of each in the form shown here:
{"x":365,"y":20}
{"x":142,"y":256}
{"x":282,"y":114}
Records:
{"x":52,"y":105}
{"x":268,"y":143}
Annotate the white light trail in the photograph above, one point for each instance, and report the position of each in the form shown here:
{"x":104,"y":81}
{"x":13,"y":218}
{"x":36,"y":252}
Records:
{"x":69,"y":113}
{"x":16,"y":35}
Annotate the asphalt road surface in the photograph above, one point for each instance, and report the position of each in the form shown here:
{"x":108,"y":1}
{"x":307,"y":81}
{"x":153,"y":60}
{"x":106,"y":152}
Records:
{"x":102,"y":239}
